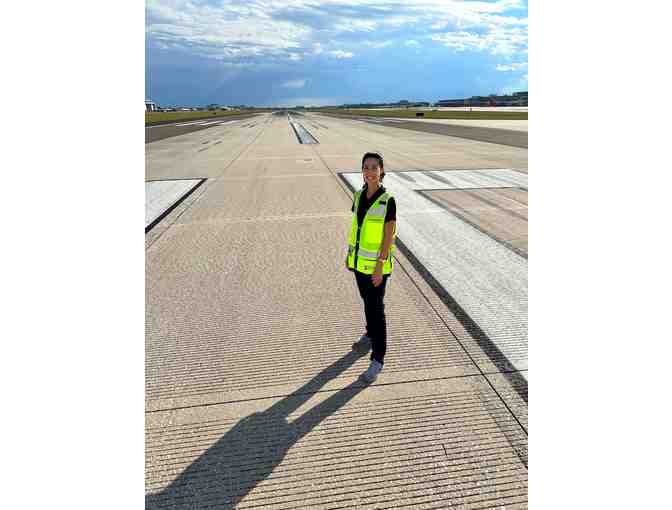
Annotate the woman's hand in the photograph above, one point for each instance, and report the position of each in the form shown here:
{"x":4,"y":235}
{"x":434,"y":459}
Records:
{"x":377,"y":276}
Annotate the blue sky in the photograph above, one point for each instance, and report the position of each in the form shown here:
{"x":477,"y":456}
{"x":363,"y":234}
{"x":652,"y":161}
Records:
{"x":319,"y":52}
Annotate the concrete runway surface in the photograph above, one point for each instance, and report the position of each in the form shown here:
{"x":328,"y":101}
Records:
{"x":253,"y":396}
{"x":471,"y":129}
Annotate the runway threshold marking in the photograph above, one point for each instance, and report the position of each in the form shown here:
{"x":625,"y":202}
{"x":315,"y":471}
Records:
{"x":485,"y":278}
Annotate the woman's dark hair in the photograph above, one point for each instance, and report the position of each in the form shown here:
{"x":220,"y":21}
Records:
{"x":377,"y":156}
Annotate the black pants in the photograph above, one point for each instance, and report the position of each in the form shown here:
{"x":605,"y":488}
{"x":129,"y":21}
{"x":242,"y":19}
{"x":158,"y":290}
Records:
{"x":374,"y":310}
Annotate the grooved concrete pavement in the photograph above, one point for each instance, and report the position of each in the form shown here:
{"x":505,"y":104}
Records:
{"x":253,"y":396}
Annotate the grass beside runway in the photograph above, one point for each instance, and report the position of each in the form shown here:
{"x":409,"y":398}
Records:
{"x":428,"y":114}
{"x":160,"y":117}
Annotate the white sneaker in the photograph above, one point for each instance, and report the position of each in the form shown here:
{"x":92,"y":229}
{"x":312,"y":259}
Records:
{"x":372,"y":372}
{"x":363,"y":344}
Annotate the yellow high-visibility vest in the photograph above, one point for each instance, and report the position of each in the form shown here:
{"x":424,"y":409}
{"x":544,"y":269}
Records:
{"x":366,"y":241}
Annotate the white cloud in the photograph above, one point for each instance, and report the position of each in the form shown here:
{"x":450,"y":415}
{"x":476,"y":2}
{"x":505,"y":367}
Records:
{"x":511,"y":67}
{"x":294,"y":84}
{"x":225,"y":31}
{"x":355,"y":25}
{"x":341,"y":54}
{"x":377,"y":44}
{"x":307,"y":101}
{"x":235,"y":65}
{"x":412,"y":42}
{"x":400,"y":20}
{"x":498,"y":40}
{"x":235,"y":31}
{"x":461,"y":8}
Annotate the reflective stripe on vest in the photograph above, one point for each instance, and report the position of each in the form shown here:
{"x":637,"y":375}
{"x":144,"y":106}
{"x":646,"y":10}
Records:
{"x":378,"y":212}
{"x":367,"y":254}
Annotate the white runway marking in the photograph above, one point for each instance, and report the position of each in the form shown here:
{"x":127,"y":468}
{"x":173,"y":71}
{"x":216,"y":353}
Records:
{"x":488,"y":280}
{"x":458,"y":179}
{"x":190,"y":123}
{"x":219,"y":122}
{"x":194,"y":123}
{"x":383,"y":120}
{"x":173,"y":125}
{"x":160,"y":195}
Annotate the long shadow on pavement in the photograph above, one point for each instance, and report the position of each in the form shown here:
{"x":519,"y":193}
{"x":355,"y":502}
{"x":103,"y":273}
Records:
{"x":248,"y":453}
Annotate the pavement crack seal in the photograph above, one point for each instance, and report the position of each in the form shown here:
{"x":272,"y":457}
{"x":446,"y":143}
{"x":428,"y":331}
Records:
{"x":311,"y":392}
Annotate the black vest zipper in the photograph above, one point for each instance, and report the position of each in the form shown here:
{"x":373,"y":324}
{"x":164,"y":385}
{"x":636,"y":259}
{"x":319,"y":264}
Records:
{"x":359,"y":229}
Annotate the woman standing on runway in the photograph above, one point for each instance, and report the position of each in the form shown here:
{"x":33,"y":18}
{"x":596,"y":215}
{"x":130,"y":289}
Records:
{"x":370,"y":256}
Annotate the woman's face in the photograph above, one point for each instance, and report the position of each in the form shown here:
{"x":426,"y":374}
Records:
{"x":371,"y":170}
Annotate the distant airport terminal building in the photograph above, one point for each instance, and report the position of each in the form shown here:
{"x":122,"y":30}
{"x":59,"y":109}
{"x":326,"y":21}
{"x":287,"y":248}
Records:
{"x":516,"y":99}
{"x":399,"y":104}
{"x":150,"y":106}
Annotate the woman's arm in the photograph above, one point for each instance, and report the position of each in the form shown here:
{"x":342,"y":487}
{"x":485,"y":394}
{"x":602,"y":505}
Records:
{"x":388,"y":239}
